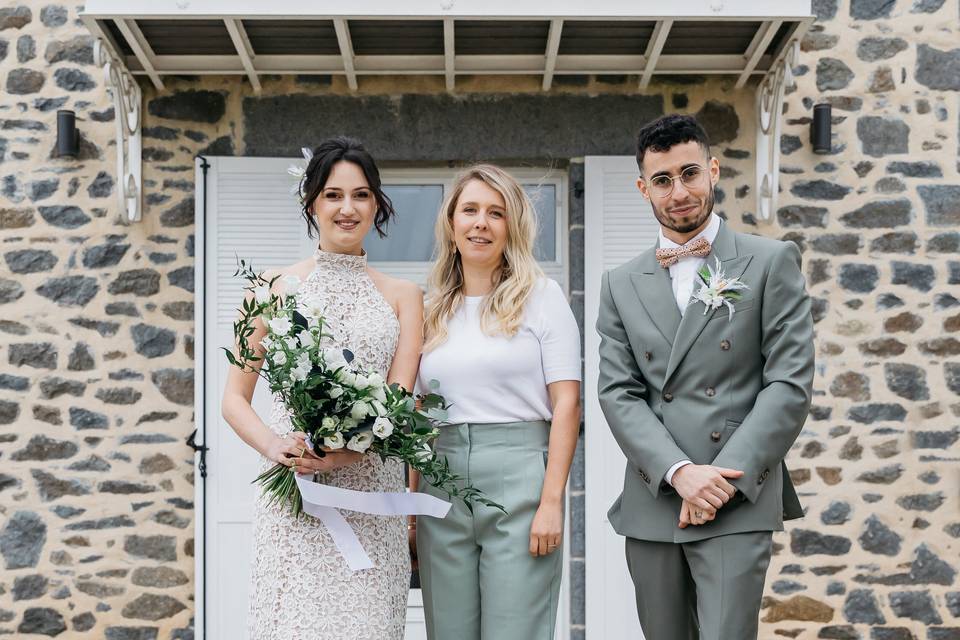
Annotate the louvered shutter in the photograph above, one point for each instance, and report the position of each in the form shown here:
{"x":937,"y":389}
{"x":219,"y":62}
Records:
{"x":619,"y":224}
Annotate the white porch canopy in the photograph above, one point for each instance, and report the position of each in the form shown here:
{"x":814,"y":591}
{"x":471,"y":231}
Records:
{"x":741,"y":38}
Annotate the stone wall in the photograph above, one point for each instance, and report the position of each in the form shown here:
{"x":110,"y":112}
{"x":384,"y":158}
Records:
{"x":96,"y":393}
{"x":96,"y":345}
{"x":876,"y":466}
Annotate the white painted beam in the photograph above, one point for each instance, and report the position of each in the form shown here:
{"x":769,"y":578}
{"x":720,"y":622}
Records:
{"x":553,"y":47}
{"x":654,"y":48}
{"x":141,"y":49}
{"x":449,"y":54}
{"x":242,"y":44}
{"x":435,"y":65}
{"x":346,"y":51}
{"x":757,"y":48}
{"x":474,"y":9}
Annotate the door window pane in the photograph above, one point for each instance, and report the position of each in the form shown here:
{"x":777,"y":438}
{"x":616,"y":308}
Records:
{"x":544,"y":199}
{"x":410,"y":233}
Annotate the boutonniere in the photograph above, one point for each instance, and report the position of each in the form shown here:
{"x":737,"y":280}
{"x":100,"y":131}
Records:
{"x":717,"y":289}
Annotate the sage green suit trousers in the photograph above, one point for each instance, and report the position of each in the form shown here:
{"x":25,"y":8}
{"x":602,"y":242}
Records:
{"x":479,"y":580}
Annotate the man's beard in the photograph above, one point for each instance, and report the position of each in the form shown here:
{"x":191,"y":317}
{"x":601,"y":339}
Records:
{"x":687,"y":225}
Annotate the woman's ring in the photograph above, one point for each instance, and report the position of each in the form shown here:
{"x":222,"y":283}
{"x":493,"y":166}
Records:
{"x":698,"y":514}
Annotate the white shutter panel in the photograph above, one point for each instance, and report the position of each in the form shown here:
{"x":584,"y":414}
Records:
{"x":251,"y":214}
{"x":619,"y":225}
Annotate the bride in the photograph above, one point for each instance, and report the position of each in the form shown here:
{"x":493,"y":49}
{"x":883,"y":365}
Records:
{"x":301,"y":585}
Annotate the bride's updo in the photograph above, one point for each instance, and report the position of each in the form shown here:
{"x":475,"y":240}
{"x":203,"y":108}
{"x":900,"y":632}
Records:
{"x":325,"y":155}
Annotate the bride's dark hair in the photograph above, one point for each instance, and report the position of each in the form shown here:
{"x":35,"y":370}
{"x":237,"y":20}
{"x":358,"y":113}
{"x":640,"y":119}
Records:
{"x":325,"y":155}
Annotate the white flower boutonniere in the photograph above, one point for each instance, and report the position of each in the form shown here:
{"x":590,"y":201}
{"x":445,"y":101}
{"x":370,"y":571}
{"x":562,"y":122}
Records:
{"x":717,"y":289}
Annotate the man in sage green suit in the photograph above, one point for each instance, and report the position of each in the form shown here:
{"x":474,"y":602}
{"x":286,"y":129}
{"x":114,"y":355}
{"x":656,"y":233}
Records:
{"x":704,"y":406}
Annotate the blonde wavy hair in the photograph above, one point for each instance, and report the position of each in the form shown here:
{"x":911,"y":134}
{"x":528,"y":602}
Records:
{"x":502,"y":309}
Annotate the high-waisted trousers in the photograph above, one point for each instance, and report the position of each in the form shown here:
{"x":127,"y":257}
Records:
{"x":479,"y":580}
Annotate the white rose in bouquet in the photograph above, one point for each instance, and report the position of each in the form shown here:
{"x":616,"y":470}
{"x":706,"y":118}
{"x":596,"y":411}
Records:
{"x":307,"y":339}
{"x":292,"y":284}
{"x":361,"y":382}
{"x":360,"y":442}
{"x":347,"y":377}
{"x":375,"y":380}
{"x":297,"y":374}
{"x":329,"y":424}
{"x":334,"y":358}
{"x":358,"y":411}
{"x":334,"y":441}
{"x":312,"y":309}
{"x":335,"y":392}
{"x":302,"y":368}
{"x":378,"y":408}
{"x":379,"y":393}
{"x":279,"y":358}
{"x":266,"y":342}
{"x":292,"y":343}
{"x":348,"y":423}
{"x":382,"y":428}
{"x":261,"y":294}
{"x":280,"y":326}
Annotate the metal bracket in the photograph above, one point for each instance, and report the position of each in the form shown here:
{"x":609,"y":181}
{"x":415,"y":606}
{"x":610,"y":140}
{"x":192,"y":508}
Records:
{"x":202,"y":449}
{"x":769,"y":123}
{"x":127,"y":102}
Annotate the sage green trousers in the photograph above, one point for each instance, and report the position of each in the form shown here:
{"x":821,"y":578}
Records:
{"x":479,"y":580}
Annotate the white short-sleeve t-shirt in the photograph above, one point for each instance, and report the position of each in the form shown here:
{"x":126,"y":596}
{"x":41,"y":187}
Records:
{"x":490,"y":379}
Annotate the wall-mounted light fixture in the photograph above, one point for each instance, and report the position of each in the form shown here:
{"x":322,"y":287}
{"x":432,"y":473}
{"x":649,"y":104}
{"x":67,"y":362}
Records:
{"x":820,"y":129}
{"x":68,"y":138}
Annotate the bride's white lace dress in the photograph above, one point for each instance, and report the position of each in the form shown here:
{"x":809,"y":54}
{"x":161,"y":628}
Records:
{"x":302,"y":587}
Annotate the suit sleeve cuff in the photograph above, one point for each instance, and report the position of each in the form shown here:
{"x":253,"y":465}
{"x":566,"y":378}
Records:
{"x":668,"y":477}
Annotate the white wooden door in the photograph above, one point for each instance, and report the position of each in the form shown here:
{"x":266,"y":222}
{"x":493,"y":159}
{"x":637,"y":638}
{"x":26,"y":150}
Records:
{"x":619,"y":224}
{"x":251,"y":213}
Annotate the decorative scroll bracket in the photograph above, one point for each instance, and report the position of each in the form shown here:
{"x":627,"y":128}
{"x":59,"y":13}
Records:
{"x":769,"y":122}
{"x":127,"y":101}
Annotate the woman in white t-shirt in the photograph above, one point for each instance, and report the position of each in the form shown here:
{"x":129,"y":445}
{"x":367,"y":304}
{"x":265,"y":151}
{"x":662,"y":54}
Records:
{"x":502,"y":342}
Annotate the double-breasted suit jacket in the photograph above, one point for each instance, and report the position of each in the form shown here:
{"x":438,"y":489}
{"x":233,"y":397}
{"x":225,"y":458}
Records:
{"x":732,"y":393}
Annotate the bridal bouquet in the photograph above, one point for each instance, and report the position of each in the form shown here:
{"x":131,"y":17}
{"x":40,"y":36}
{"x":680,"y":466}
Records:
{"x":331,"y":399}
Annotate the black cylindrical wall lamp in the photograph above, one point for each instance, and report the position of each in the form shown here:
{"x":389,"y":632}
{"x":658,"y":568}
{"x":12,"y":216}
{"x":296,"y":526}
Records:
{"x":820,"y":129}
{"x":68,"y":138}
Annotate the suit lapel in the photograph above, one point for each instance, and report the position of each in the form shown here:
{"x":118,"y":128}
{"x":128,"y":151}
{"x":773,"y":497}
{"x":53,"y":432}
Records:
{"x":653,"y":287}
{"x":694,"y":320}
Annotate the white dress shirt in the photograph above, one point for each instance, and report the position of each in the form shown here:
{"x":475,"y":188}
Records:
{"x":683,"y":276}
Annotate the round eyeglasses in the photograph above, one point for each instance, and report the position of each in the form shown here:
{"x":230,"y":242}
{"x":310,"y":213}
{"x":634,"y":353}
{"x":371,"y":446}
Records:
{"x":662,"y":185}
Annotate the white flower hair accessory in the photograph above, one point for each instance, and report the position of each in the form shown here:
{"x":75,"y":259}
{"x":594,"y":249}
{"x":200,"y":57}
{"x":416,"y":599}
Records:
{"x":298,"y":171}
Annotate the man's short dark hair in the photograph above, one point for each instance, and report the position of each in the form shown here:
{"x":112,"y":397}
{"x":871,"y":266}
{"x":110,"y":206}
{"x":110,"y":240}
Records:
{"x":668,"y":131}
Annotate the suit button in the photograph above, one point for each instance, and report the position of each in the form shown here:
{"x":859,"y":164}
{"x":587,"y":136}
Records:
{"x":725,"y":345}
{"x":647,"y":355}
{"x":668,"y":397}
{"x":711,"y":392}
{"x":715,"y":436}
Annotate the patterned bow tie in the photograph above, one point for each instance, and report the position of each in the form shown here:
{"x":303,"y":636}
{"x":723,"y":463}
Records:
{"x":699,"y":248}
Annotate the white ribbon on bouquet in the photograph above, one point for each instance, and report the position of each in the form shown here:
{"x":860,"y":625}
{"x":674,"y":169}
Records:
{"x":322,"y":501}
